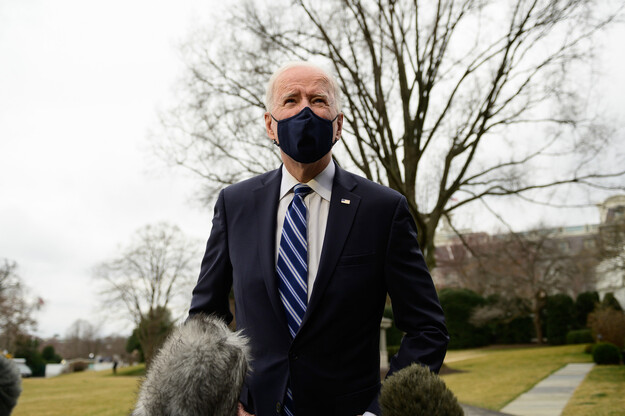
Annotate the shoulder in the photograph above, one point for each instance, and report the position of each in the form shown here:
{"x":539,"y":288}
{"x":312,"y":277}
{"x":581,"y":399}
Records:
{"x":253,"y":183}
{"x":366,"y":188}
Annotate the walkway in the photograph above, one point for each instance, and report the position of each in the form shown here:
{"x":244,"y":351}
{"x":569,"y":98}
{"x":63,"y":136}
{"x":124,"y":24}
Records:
{"x":550,"y":396}
{"x":547,"y":398}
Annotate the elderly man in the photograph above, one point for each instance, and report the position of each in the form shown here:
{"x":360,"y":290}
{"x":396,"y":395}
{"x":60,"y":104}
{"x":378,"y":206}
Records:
{"x":311,"y":252}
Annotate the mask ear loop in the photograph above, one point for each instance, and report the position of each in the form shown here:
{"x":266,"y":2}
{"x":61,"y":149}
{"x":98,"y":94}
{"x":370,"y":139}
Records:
{"x":337,"y":137}
{"x":275,"y":141}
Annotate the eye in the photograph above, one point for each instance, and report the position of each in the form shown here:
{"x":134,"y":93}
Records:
{"x":319,"y":100}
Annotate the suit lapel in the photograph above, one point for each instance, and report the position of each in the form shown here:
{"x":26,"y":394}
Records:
{"x":266,"y":199}
{"x":343,"y":207}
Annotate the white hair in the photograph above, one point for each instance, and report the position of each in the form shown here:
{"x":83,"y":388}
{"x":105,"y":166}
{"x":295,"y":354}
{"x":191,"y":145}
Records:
{"x":335,"y":90}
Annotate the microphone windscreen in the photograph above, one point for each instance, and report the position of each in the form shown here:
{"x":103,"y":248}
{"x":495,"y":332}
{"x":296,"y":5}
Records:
{"x":10,"y":385}
{"x":199,"y":370}
{"x":416,"y":391}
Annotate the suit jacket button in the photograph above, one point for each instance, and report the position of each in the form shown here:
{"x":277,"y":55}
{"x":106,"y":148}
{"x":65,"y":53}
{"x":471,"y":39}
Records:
{"x":278,"y":407}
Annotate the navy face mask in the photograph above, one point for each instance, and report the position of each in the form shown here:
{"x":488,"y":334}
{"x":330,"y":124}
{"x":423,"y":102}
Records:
{"x":305,"y":137}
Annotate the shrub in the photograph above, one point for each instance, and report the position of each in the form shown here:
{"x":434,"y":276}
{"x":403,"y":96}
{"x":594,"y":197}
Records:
{"x":517,"y":331}
{"x":77,"y":366}
{"x":559,"y":311}
{"x":458,"y":305}
{"x":585,"y":303}
{"x":606,"y":353}
{"x":608,"y":325}
{"x":609,"y":301}
{"x":133,"y":344}
{"x":579,"y":336}
{"x":28,"y":348}
{"x":50,"y":356}
{"x":507,"y":318}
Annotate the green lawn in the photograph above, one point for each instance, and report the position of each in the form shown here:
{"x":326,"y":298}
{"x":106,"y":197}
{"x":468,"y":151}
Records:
{"x":80,"y":394}
{"x":491,"y":378}
{"x":487,"y":378}
{"x":601,"y":394}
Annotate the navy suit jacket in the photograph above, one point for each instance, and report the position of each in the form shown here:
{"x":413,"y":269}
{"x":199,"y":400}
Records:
{"x":370,"y":249}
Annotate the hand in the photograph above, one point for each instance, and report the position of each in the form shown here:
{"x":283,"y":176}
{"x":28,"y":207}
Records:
{"x":242,"y":411}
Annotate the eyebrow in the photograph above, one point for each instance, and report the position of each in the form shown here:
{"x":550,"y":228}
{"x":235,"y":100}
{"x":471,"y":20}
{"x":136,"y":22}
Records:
{"x":293,"y":94}
{"x":290,"y":94}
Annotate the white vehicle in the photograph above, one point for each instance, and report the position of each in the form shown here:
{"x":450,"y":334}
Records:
{"x":21,"y":364}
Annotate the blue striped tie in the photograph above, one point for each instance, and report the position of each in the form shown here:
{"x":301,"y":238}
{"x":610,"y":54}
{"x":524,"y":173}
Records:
{"x":293,"y":269}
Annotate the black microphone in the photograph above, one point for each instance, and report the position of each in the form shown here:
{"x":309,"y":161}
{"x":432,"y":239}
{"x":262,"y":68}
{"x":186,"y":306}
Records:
{"x":199,"y":370}
{"x":10,"y":385}
{"x":415,"y":391}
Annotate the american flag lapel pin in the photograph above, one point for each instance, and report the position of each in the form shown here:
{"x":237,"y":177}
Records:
{"x":345,"y":201}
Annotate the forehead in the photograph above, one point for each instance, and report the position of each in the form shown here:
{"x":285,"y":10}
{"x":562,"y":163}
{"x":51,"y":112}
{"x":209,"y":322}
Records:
{"x":301,"y":77}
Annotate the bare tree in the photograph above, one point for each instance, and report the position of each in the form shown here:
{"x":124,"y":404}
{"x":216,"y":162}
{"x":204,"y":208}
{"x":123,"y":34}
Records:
{"x":447,"y":101}
{"x":81,"y":340}
{"x":16,"y":309}
{"x":149,"y":278}
{"x":522,"y":269}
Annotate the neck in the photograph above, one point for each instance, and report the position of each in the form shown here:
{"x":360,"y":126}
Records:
{"x":305,"y":172}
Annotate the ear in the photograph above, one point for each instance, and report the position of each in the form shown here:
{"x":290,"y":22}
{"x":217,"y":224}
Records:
{"x":339,"y":127}
{"x":268,"y":127}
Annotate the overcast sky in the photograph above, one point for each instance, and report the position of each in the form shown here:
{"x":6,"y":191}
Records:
{"x":80,"y":86}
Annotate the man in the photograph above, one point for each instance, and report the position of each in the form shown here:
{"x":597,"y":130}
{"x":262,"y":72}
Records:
{"x":311,"y":266}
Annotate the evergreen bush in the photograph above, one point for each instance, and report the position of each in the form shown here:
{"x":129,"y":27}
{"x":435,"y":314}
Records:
{"x":517,"y":331}
{"x":559,"y":313}
{"x":606,"y":353}
{"x":50,"y":356}
{"x":609,"y":301}
{"x":585,"y":303}
{"x":29,"y":349}
{"x":458,"y":305}
{"x":579,"y":336}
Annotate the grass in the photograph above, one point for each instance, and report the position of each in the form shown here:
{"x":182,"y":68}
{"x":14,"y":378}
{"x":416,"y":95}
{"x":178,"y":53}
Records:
{"x":488,"y":378}
{"x":80,"y":394}
{"x":494,"y":377}
{"x":601,"y":394}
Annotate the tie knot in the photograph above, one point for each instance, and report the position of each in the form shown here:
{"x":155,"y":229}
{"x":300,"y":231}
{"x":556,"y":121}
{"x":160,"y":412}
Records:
{"x":302,"y":190}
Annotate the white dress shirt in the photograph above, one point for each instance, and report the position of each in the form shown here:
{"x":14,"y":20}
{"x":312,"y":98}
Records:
{"x":317,"y":205}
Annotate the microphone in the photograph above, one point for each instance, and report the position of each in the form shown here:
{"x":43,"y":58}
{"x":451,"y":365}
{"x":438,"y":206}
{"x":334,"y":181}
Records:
{"x":199,"y":370}
{"x":10,"y":385}
{"x":414,"y":391}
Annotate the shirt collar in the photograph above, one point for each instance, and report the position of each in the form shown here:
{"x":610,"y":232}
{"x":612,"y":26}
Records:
{"x":321,"y":184}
